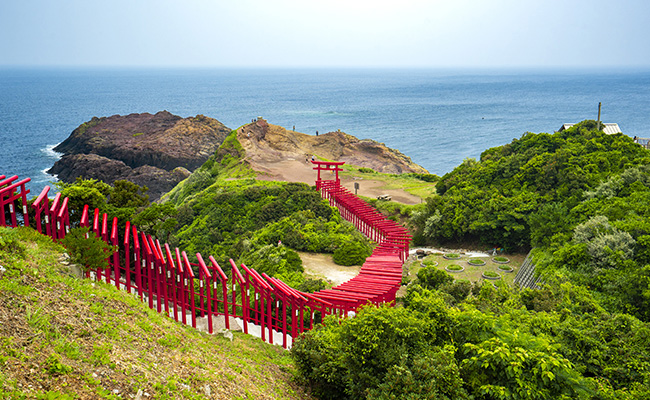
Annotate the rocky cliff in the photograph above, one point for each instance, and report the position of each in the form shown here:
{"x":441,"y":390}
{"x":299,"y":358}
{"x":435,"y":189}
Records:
{"x":155,"y":150}
{"x":265,"y":144}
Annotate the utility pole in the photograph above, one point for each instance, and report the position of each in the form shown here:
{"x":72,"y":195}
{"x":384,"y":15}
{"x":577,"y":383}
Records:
{"x":598,"y":125}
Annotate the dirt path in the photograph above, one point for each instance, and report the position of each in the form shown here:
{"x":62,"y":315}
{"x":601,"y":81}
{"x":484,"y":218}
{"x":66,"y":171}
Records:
{"x":322,"y":266}
{"x":371,"y":188}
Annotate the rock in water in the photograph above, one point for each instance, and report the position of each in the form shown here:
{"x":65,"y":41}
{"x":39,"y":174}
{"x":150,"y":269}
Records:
{"x":154,"y":150}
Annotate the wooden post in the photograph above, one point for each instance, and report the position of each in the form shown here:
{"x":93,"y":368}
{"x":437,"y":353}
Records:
{"x":598,"y":126}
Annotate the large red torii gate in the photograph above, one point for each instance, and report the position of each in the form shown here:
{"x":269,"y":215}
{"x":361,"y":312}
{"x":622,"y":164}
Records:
{"x":327,"y":166}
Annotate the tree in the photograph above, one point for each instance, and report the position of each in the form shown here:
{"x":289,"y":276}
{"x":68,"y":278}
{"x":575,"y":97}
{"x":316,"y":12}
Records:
{"x":519,"y":366}
{"x":86,"y":249}
{"x":157,"y":220}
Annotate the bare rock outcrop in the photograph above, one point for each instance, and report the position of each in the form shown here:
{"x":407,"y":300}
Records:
{"x":265,"y":143}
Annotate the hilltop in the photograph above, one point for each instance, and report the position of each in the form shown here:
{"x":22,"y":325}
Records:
{"x":267,"y":145}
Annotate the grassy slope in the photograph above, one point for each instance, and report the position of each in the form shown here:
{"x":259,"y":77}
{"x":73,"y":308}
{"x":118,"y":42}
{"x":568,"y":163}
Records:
{"x":64,"y":336}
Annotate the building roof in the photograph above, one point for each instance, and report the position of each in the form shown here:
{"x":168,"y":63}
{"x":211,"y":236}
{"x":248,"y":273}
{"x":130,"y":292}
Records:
{"x":608,"y":128}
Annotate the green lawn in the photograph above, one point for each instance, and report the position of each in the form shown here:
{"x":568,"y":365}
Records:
{"x":471,"y":272}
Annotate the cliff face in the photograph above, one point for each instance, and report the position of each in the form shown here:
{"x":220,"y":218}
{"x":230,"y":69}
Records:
{"x":142,"y":148}
{"x":265,"y":143}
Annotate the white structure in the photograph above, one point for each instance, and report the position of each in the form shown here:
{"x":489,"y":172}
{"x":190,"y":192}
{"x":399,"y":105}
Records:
{"x":608,"y":128}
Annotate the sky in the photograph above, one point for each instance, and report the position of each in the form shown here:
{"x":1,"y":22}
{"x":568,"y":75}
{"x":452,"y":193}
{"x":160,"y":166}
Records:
{"x":331,"y":33}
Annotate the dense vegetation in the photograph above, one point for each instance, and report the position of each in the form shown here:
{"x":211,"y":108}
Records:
{"x":579,"y":196}
{"x":262,"y":224}
{"x":66,"y":338}
{"x":466,"y":341}
{"x":503,"y":199}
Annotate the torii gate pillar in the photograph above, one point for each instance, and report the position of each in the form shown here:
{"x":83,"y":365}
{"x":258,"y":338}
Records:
{"x":327,"y":166}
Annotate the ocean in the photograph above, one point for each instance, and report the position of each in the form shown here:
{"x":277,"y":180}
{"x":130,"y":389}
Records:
{"x":436,"y":117}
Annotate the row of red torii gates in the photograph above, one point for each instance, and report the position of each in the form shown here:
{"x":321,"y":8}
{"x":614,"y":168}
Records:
{"x":201,"y":291}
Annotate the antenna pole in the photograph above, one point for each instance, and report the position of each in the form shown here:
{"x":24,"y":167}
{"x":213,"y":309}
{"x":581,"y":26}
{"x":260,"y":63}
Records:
{"x":598,"y":125}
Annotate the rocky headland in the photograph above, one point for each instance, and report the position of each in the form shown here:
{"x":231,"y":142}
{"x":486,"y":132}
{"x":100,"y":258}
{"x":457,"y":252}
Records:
{"x":155,"y":150}
{"x":266,"y":144}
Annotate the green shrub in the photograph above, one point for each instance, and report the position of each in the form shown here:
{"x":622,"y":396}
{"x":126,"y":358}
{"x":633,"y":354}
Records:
{"x":376,"y":339}
{"x":319,"y":360}
{"x":90,"y":252}
{"x":517,"y":365}
{"x":429,"y":262}
{"x":425,"y":177}
{"x":351,"y":253}
{"x":9,"y":244}
{"x":365,"y":170}
{"x":454,"y":267}
{"x":311,"y":285}
{"x":458,"y":289}
{"x":433,"y":375}
{"x":273,"y":259}
{"x":432,"y":278}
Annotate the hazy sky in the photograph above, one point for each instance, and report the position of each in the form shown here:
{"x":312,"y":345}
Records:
{"x":316,"y":33}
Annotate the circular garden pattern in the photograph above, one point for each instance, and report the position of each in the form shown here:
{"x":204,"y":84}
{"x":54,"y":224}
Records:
{"x":451,"y":256}
{"x":476,"y":262}
{"x":491,"y":275}
{"x":428,"y":263}
{"x":505,"y":268}
{"x":454,"y":268}
{"x":501,"y":260}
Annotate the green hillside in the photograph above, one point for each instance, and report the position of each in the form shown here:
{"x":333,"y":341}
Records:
{"x":579,"y":197}
{"x":68,"y":338}
{"x":224,"y":212}
{"x":497,"y":200}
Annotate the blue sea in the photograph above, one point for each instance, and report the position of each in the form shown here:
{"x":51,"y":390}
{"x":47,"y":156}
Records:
{"x":437,"y":117}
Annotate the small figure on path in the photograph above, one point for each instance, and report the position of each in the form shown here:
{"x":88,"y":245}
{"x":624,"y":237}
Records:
{"x":316,"y":133}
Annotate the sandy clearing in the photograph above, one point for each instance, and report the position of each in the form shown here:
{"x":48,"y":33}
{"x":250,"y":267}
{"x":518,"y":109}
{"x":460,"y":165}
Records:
{"x":322,"y":266}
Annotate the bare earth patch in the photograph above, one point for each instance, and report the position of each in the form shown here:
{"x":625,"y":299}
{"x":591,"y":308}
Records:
{"x":322,"y":266}
{"x":281,"y":155}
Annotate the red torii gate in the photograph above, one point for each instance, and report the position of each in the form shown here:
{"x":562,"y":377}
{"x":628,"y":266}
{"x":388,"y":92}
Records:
{"x":327,"y":166}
